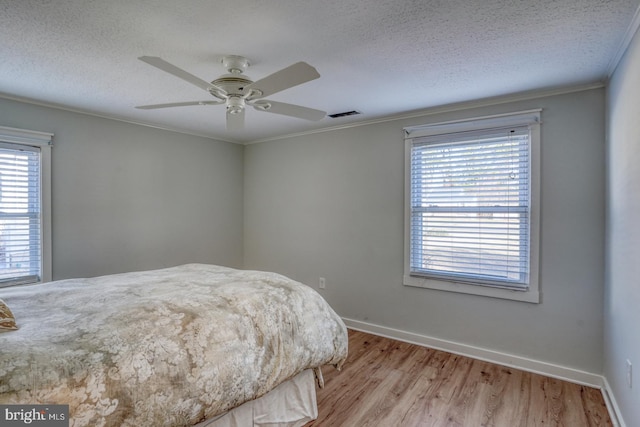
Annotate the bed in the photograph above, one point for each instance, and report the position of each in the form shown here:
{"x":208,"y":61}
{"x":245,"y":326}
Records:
{"x":189,"y":345}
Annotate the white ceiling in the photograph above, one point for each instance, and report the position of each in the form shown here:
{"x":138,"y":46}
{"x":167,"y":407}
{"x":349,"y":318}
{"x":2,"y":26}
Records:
{"x":380,"y":57}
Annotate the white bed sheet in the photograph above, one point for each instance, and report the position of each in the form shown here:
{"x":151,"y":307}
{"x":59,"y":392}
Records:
{"x":291,"y":404}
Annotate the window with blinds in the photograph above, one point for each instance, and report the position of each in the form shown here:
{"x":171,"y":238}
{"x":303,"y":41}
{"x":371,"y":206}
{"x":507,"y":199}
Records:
{"x":471,"y":216}
{"x":470,"y":206}
{"x":20,"y":214}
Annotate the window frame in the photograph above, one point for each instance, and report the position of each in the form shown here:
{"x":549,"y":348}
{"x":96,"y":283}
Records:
{"x":531,"y":294}
{"x":43,"y":142}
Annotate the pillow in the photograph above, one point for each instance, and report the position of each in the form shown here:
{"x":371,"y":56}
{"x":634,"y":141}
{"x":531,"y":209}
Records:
{"x":7,"y":321}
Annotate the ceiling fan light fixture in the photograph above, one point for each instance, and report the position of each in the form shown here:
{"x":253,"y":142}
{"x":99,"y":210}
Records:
{"x":235,"y":105}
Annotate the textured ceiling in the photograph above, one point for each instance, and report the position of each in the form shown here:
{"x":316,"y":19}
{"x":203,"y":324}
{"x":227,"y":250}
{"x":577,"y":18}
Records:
{"x":381,"y":57}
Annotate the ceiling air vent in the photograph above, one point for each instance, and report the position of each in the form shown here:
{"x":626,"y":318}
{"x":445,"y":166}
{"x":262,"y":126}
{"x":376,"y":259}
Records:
{"x":346,"y":113}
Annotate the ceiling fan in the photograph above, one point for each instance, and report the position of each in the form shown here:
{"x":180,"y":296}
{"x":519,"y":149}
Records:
{"x":237,"y":90}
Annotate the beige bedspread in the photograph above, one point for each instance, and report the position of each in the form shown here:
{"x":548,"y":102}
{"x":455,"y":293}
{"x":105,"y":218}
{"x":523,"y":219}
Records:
{"x":167,"y":347}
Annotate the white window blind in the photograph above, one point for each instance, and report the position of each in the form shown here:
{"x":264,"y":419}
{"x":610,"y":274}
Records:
{"x":20,"y":214}
{"x":470,"y":207}
{"x":25,"y":206}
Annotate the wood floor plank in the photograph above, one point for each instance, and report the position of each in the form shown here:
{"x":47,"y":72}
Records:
{"x":388,"y":383}
{"x":376,"y":402}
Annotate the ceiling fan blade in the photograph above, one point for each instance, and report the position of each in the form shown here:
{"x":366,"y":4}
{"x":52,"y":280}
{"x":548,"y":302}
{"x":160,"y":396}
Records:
{"x":178,"y":72}
{"x":235,"y":121}
{"x":289,"y":110}
{"x":293,"y":75}
{"x":178,"y":104}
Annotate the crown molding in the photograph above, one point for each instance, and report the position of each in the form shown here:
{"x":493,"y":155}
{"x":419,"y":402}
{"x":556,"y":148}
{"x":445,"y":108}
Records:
{"x":465,"y":105}
{"x":632,"y":29}
{"x":109,"y":117}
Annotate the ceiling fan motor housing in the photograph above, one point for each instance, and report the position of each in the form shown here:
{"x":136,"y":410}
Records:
{"x":233,"y":84}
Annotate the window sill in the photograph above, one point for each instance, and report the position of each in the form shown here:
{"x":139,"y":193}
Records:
{"x":530,"y":296}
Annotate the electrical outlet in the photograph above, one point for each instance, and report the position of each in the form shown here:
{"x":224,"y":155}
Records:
{"x":629,"y":373}
{"x":322,"y":283}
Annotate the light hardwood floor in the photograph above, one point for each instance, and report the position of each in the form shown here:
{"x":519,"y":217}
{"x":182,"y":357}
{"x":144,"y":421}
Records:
{"x":391,"y":383}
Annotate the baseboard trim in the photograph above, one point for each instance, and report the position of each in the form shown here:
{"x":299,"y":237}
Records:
{"x":612,"y":405}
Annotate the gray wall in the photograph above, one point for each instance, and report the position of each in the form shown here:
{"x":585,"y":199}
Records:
{"x":129,"y":197}
{"x":331,"y":205}
{"x":622,"y":280}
